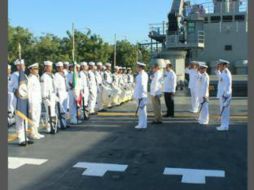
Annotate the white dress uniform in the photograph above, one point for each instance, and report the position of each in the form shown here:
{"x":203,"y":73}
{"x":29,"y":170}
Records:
{"x":48,"y":96}
{"x":156,"y":84}
{"x":193,"y":86}
{"x":14,"y":84}
{"x":156,"y":92}
{"x":13,"y":87}
{"x":84,"y":86}
{"x":204,"y":93}
{"x":225,"y":95}
{"x":35,"y":102}
{"x":140,"y":94}
{"x":170,"y":81}
{"x":61,"y":92}
{"x":93,"y":91}
{"x":11,"y":98}
{"x":98,"y":77}
{"x":108,"y":77}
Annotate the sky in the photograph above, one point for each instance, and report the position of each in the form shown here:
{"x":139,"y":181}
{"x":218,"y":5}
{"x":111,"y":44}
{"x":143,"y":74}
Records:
{"x":128,"y":19}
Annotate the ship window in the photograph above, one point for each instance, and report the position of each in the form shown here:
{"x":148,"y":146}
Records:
{"x":206,"y":19}
{"x":228,"y":47}
{"x":239,"y":17}
{"x":227,"y":18}
{"x":191,"y":27}
{"x":215,"y":18}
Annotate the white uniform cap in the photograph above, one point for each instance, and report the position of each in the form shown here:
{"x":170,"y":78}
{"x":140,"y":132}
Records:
{"x":59,"y":64}
{"x":108,"y":64}
{"x":141,"y":64}
{"x":48,"y":63}
{"x":19,"y":62}
{"x":203,"y":64}
{"x":195,"y":62}
{"x":35,"y":65}
{"x":116,"y":67}
{"x":99,"y":64}
{"x":168,"y":62}
{"x":223,"y":61}
{"x":9,"y":67}
{"x":91,"y":63}
{"x":66,"y":63}
{"x":83,"y":63}
{"x":77,"y":65}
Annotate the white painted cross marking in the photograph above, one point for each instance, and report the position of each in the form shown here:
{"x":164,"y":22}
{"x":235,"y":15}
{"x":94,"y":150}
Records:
{"x":194,"y":176}
{"x":14,"y":162}
{"x":99,"y":170}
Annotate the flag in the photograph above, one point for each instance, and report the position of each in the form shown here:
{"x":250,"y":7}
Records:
{"x":22,"y":108}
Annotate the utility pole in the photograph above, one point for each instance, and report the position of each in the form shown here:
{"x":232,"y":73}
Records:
{"x":114,"y":64}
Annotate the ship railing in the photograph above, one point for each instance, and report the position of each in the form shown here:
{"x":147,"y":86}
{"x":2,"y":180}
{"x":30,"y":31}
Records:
{"x":158,"y":28}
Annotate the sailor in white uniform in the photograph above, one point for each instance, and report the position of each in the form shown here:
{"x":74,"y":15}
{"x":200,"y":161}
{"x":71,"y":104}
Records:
{"x":49,"y":97}
{"x":92,"y":88}
{"x":61,"y":92}
{"x":14,"y":85}
{"x":107,"y":74}
{"x":84,"y":82}
{"x":203,"y":95}
{"x":11,"y":97}
{"x":98,"y":76}
{"x":224,"y":93}
{"x":192,"y":71}
{"x":66,"y":72}
{"x":140,"y":94}
{"x":35,"y":100}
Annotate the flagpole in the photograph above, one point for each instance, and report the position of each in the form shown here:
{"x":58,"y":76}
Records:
{"x":73,"y":43}
{"x":19,"y":50}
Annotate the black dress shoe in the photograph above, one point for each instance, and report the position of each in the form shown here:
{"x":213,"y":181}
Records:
{"x":156,"y":122}
{"x":30,"y":142}
{"x":22,"y":144}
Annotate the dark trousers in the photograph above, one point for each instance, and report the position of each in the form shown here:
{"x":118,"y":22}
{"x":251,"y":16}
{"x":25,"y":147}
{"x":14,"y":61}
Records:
{"x":169,"y":100}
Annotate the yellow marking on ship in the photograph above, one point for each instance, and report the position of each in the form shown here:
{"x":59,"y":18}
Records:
{"x":189,"y":116}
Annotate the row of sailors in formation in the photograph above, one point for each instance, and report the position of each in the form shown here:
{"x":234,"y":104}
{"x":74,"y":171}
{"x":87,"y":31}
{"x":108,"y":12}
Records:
{"x":96,"y":88}
{"x":199,"y":88}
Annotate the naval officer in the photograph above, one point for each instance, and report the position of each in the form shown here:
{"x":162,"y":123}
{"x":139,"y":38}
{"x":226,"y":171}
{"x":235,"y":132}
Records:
{"x":224,"y":93}
{"x":61,"y":92}
{"x":34,"y":100}
{"x":140,"y":94}
{"x":192,"y":71}
{"x":49,"y":96}
{"x":169,"y":88}
{"x":203,"y":95}
{"x":14,"y":85}
{"x":92,"y":88}
{"x":156,"y":93}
